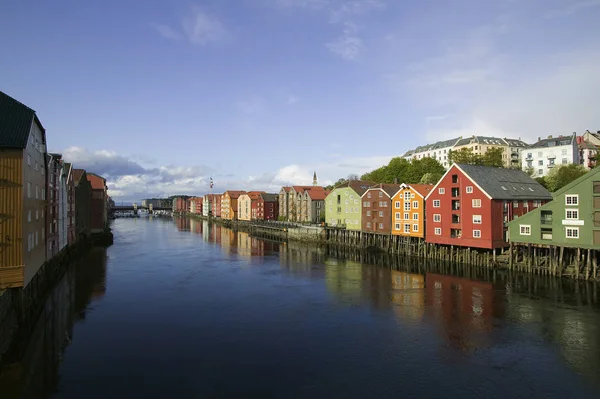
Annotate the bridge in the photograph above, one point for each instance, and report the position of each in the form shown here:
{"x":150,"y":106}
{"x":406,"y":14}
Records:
{"x":123,"y":208}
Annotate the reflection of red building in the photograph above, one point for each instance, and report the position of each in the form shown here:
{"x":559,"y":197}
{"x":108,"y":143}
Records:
{"x":196,"y":226}
{"x":183,"y":224}
{"x":216,"y":206}
{"x":462,"y":305}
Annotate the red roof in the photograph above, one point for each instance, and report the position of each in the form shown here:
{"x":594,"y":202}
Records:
{"x":254,"y":195}
{"x":234,"y":194}
{"x":300,"y":189}
{"x":317,"y":193}
{"x":422,"y":189}
{"x":286,"y":188}
{"x":97,"y":182}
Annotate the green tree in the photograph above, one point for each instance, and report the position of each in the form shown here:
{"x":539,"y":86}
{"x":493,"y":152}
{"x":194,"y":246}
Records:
{"x":493,"y":157}
{"x":543,"y":182}
{"x":562,"y":175}
{"x":430,"y":178}
{"x":464,"y":155}
{"x":421,"y":167}
{"x":530,"y":171}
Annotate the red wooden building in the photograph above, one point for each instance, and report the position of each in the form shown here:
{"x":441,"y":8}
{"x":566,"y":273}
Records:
{"x":216,"y":206}
{"x":377,"y":208}
{"x":471,"y":204}
{"x":267,"y":207}
{"x":98,"y":203}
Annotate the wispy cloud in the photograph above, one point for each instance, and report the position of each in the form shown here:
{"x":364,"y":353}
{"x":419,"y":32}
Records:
{"x":198,"y":27}
{"x":292,"y":99}
{"x":166,"y":31}
{"x":573,"y":8}
{"x":349,"y":45}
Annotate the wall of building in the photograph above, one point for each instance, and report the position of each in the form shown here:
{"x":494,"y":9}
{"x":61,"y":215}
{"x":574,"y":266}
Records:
{"x":400,"y":210}
{"x":565,"y":154}
{"x":372,"y":220}
{"x":347,"y":212}
{"x":83,"y":198}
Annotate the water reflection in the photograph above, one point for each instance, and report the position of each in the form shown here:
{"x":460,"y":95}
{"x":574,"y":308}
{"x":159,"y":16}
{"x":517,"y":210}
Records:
{"x":32,"y":368}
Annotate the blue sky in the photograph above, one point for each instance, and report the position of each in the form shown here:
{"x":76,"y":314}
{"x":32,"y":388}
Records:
{"x":158,"y":96}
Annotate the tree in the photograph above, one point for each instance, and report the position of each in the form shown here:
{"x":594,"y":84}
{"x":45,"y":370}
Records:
{"x":464,"y":155}
{"x":352,"y":177}
{"x":493,"y":157}
{"x":430,"y":178}
{"x":562,"y":175}
{"x":530,"y":171}
{"x":543,"y":182}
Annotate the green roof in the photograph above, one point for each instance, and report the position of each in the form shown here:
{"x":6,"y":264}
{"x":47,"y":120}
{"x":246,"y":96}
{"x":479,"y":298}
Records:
{"x":15,"y":122}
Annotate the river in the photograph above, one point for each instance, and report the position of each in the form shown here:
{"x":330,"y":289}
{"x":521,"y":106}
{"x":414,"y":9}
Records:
{"x":183,"y":309}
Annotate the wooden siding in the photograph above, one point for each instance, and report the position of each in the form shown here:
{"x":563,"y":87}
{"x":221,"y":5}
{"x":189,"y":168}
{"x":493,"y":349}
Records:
{"x":11,"y":220}
{"x":399,"y":222}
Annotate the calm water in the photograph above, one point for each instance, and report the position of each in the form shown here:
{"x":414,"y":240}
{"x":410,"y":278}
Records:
{"x":181,"y":309}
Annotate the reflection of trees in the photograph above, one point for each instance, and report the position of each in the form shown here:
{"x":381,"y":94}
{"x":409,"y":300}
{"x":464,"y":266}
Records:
{"x":31,"y":367}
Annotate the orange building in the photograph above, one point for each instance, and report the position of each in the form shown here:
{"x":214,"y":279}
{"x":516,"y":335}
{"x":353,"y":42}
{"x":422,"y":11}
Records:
{"x":408,"y":210}
{"x":229,"y":204}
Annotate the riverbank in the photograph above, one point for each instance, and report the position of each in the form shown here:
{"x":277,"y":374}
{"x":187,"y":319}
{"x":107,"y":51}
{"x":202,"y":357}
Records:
{"x":568,"y":262}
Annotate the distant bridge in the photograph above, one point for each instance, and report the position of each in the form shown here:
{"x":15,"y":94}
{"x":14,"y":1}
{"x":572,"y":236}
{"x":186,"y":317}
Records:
{"x":123,"y":208}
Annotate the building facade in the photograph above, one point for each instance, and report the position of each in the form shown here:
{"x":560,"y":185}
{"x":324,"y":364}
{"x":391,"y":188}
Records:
{"x":216,"y":206}
{"x":23,"y":188}
{"x":343,"y":206}
{"x":98,"y":203}
{"x":377,"y":208}
{"x":587,"y":153}
{"x":439,"y":151}
{"x":471,"y":205}
{"x":267,"y":207}
{"x":545,"y":154}
{"x":196,"y":205}
{"x":155,"y":202}
{"x":207,"y":203}
{"x":247,"y":205}
{"x":284,"y":200}
{"x":592,"y":137}
{"x":571,"y":219}
{"x":408,"y":205}
{"x":312,"y":208}
{"x":229,"y":204}
{"x":71,"y":211}
{"x":511,"y":148}
{"x":83,"y":198}
{"x":54,"y":204}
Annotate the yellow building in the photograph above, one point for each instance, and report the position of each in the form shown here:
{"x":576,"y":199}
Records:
{"x":408,"y":210}
{"x":22,"y":193}
{"x":246,"y":203}
{"x":229,"y":204}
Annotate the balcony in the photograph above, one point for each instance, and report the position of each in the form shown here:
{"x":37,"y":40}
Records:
{"x":551,"y":157}
{"x":529,"y":157}
{"x":455,"y":192}
{"x":455,"y":233}
{"x":551,"y":165}
{"x":455,"y":219}
{"x":456,"y":205}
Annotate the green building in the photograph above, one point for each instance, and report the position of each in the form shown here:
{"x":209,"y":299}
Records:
{"x":571,"y":219}
{"x":343,"y":207}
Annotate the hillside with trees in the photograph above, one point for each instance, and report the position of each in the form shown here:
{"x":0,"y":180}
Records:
{"x":424,"y":171}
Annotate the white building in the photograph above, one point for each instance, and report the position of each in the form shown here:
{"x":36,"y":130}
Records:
{"x":548,"y":153}
{"x":438,"y":150}
{"x":207,"y":201}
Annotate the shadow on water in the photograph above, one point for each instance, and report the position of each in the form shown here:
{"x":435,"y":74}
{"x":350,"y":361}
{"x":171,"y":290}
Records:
{"x":32,"y":368}
{"x":495,"y":320}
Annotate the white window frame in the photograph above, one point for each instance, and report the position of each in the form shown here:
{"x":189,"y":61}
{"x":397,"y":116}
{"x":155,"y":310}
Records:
{"x":397,"y":216}
{"x":574,"y":199}
{"x":436,"y":203}
{"x":415,"y":216}
{"x":407,"y":228}
{"x":406,"y":216}
{"x":437,"y":231}
{"x":572,"y":230}
{"x":525,"y":229}
{"x":441,"y":190}
{"x":397,"y":204}
{"x":407,"y":206}
{"x":380,"y":214}
{"x":397,"y":226}
{"x":476,"y":203}
{"x":368,"y":213}
{"x":415,"y":204}
{"x":368,"y":225}
{"x":381,"y":225}
{"x":477,"y":219}
{"x":415,"y":228}
{"x":437,"y":218}
{"x":476,"y":233}
{"x":574,"y":214}
{"x":406,"y":196}
{"x":469,"y":189}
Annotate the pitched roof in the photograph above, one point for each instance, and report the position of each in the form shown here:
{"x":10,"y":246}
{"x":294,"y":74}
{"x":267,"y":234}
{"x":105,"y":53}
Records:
{"x":554,"y":141}
{"x":15,"y":122}
{"x":267,"y":197}
{"x":317,"y":193}
{"x":422,"y":189}
{"x":254,"y":195}
{"x":301,"y":189}
{"x":97,"y":182}
{"x":503,"y":183}
{"x":234,"y":194}
{"x":389,"y":189}
{"x":77,"y":174}
{"x":491,"y":141}
{"x":586,"y":145}
{"x":286,"y":188}
{"x":360,"y":186}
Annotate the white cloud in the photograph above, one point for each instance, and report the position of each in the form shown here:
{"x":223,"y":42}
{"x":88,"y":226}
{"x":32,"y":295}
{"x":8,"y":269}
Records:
{"x":202,"y":28}
{"x":349,"y":45}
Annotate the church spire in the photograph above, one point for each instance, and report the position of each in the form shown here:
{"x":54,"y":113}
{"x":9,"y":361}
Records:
{"x":315,"y":179}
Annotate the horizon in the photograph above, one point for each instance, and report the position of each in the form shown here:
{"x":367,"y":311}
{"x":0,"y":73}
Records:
{"x":260,"y":94}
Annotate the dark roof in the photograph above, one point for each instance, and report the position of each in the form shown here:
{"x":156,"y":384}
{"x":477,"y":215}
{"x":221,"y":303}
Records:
{"x":390,"y":189}
{"x":503,"y":183}
{"x":554,"y":141}
{"x":15,"y":122}
{"x":487,"y":140}
{"x":360,"y":186}
{"x":267,"y":197}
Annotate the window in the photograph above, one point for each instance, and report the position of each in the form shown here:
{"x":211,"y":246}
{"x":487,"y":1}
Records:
{"x":368,"y":195}
{"x":564,"y":161}
{"x":368,"y":225}
{"x":406,"y":196}
{"x":407,"y":206}
{"x":476,"y":219}
{"x":368,"y":213}
{"x":380,"y":194}
{"x":29,"y":216}
{"x":36,"y":238}
{"x":515,"y":204}
{"x":437,"y":231}
{"x":415,"y":216}
{"x":442,"y":190}
{"x":407,"y":228}
{"x":28,"y":159}
{"x":437,"y":217}
{"x":37,"y":192}
{"x":572,"y":199}
{"x":397,"y":205}
{"x":397,"y":226}
{"x":415,"y":227}
{"x":541,"y":162}
{"x":564,"y":152}
{"x":29,"y":242}
{"x":572,"y":214}
{"x":525,"y":229}
{"x":28,"y":190}
{"x":397,"y":215}
{"x":476,"y":203}
{"x":436,"y":203}
{"x":454,"y":178}
{"x":540,"y":172}
{"x":380,"y":214}
{"x":537,"y":203}
{"x":406,"y":216}
{"x":37,"y":165}
{"x":572,"y":232}
{"x":415,"y":204}
{"x":469,"y":189}
{"x":476,"y":233}
{"x":381,"y":225}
